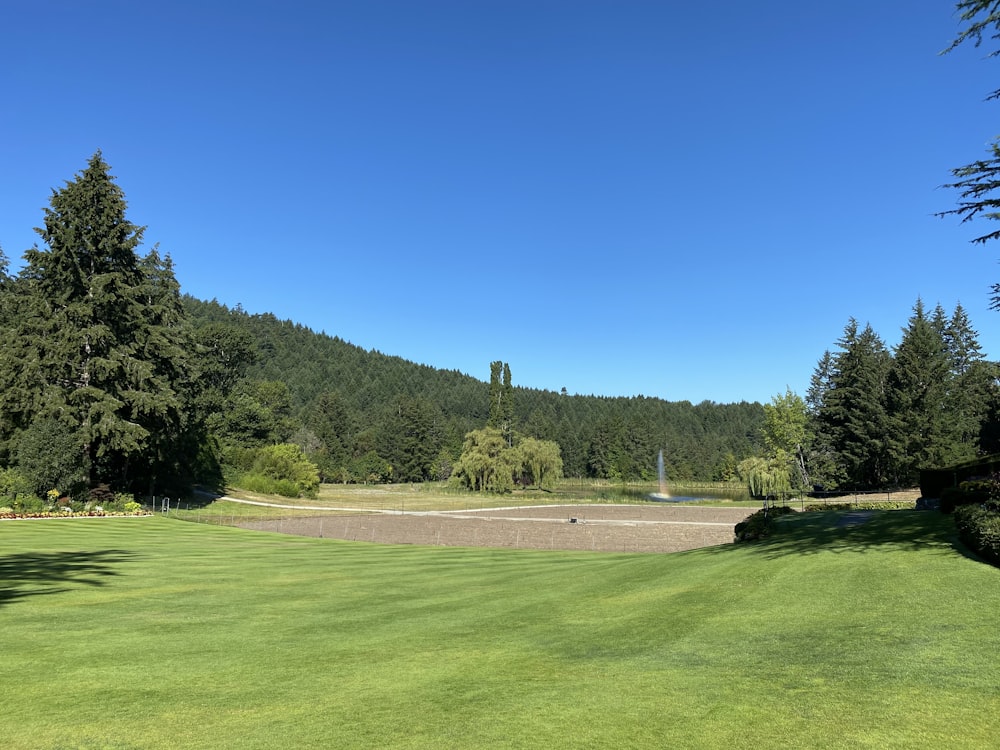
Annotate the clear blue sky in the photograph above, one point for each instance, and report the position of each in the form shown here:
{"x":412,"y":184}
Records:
{"x":674,"y":199}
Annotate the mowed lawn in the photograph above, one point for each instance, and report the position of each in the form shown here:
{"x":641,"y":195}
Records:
{"x":153,"y":633}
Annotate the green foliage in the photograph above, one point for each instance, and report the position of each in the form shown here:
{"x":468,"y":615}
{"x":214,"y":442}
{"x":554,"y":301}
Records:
{"x":766,"y":477}
{"x":501,"y":401}
{"x":254,"y":414}
{"x":357,"y":401}
{"x":759,"y":525}
{"x":917,"y":397}
{"x":97,"y":343}
{"x":786,"y":440}
{"x":971,"y":492}
{"x":288,"y":467}
{"x":15,"y":485}
{"x":854,"y":412}
{"x":887,"y":505}
{"x":878,"y":418}
{"x":47,"y":454}
{"x":269,"y":485}
{"x":541,"y":464}
{"x":487,"y":463}
{"x":979,"y":529}
{"x":410,"y":439}
{"x":370,"y":468}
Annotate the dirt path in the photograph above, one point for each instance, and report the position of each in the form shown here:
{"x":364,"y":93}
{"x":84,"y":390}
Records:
{"x":605,"y":528}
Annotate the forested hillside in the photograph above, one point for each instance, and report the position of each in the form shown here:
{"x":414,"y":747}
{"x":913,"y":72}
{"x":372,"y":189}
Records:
{"x":113,"y":381}
{"x":363,"y":413}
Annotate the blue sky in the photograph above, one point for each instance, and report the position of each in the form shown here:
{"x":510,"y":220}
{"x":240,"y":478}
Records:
{"x":682,"y":200}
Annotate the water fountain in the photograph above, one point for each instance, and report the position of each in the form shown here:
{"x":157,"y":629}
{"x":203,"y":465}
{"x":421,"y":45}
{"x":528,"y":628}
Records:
{"x":662,"y":495}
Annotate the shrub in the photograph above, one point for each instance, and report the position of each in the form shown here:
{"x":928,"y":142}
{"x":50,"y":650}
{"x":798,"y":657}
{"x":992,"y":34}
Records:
{"x":48,"y":455}
{"x":759,"y":525}
{"x":289,"y":467}
{"x":132,"y":507}
{"x":29,"y":504}
{"x":268,"y":485}
{"x":887,"y":505}
{"x":971,"y":492}
{"x":979,"y":529}
{"x":14,"y":485}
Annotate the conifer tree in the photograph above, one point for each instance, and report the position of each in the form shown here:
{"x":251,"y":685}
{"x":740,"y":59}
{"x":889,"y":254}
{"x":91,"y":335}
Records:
{"x":973,"y":385}
{"x":853,"y":414}
{"x":917,"y":389}
{"x":98,"y":348}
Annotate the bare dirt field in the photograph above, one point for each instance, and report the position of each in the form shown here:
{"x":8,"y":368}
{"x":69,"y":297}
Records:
{"x":600,"y":528}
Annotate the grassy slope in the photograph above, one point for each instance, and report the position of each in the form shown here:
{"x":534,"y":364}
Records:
{"x":152,"y":633}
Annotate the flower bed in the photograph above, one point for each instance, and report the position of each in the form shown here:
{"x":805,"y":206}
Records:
{"x":7,"y":515}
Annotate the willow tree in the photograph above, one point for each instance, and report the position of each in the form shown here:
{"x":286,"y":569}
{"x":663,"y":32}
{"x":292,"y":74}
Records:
{"x":96,"y":350}
{"x":487,"y":463}
{"x":766,"y":478}
{"x":541,"y":462}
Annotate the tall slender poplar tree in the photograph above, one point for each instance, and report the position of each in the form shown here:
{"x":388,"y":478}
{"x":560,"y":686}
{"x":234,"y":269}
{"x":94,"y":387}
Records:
{"x":502,"y":401}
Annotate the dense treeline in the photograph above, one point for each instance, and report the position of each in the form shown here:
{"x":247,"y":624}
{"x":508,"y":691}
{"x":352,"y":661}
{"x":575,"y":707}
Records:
{"x":112,"y":380}
{"x":365,"y":416}
{"x":873,"y":417}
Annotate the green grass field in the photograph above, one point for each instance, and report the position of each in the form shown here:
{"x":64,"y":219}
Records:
{"x":127,"y":633}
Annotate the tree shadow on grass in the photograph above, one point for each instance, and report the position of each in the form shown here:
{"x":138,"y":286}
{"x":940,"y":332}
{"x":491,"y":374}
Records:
{"x":837,"y":531}
{"x":38,"y":573}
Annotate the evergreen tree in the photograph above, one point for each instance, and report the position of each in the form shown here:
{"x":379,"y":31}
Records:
{"x":411,"y":439}
{"x":973,"y":386}
{"x":825,"y":469}
{"x":99,"y":343}
{"x":7,"y":332}
{"x":853,"y":414}
{"x":917,"y":395}
{"x":329,"y":420}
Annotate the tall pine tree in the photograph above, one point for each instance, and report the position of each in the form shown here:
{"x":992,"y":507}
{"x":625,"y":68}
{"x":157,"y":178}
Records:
{"x":853,"y":413}
{"x":918,"y":386}
{"x":973,"y":385}
{"x":97,"y":351}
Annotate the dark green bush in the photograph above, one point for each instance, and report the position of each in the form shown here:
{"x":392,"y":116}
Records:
{"x":758,"y":525}
{"x":971,"y":492}
{"x":269,"y":485}
{"x":886,"y":505}
{"x":979,"y":530}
